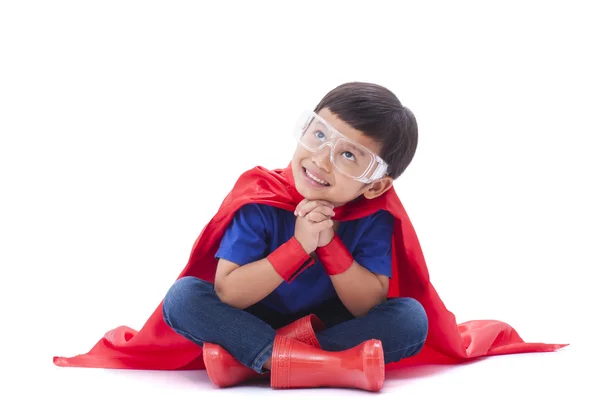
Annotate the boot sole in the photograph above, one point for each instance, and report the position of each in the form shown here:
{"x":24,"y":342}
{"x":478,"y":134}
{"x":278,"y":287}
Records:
{"x":374,"y":365}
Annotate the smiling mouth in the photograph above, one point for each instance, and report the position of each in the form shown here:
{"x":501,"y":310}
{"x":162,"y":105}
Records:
{"x":314,"y":178}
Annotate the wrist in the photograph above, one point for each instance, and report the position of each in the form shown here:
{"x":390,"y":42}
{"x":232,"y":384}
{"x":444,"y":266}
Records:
{"x":325,"y":238}
{"x":290,"y":259}
{"x":335,"y":257}
{"x":307,"y":250}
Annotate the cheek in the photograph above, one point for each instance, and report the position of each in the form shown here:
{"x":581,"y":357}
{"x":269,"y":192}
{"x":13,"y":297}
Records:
{"x":346,"y":188}
{"x":299,"y":154}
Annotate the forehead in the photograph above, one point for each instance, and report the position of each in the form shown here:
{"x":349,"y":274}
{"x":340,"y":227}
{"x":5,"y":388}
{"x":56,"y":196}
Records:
{"x":348,"y":131}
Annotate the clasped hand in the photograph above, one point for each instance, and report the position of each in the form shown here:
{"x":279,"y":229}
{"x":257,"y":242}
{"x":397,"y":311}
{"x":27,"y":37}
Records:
{"x":314,"y":226}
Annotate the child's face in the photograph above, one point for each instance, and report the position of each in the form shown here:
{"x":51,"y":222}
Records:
{"x":341,"y":189}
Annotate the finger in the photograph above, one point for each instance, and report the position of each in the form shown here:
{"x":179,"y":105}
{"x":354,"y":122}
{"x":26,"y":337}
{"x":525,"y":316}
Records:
{"x":300,"y":205}
{"x":323,"y":225}
{"x":325,"y":211}
{"x":313,"y":205}
{"x":324,"y":203}
{"x":305,"y":207}
{"x":314,"y":216}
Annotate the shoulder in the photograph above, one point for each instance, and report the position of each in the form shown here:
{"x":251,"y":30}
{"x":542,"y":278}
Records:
{"x":257,"y":213}
{"x":373,"y":244}
{"x":377,"y":226}
{"x":381,"y":218}
{"x":255,"y":208}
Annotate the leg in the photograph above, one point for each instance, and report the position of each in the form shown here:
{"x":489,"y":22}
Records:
{"x":400,"y":324}
{"x":356,"y":362}
{"x":192,"y":309}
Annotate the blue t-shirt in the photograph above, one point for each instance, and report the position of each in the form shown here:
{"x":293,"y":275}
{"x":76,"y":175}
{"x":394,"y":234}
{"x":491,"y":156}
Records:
{"x":257,"y":230}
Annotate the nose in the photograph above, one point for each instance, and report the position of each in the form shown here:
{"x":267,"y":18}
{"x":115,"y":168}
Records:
{"x":321,"y":158}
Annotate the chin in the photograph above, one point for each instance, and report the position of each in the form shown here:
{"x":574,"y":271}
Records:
{"x":306,"y":192}
{"x":310,"y":192}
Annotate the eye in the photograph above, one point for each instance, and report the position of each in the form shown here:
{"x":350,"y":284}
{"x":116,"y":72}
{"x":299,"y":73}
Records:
{"x":349,"y":156}
{"x":320,"y":135}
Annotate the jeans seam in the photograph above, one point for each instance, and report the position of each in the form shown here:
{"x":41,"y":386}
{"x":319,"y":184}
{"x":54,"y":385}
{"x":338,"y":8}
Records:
{"x":259,"y":358}
{"x":407,"y":347}
{"x":165,"y":317}
{"x":189,"y":336}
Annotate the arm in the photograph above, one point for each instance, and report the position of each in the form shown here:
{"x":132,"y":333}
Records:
{"x":361,"y":281}
{"x":243,"y":287}
{"x":244,"y":275}
{"x":360,"y":289}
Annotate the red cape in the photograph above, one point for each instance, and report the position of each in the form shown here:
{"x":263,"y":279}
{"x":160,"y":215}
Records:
{"x":158,"y":347}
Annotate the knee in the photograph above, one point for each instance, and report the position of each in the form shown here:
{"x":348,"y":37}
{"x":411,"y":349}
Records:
{"x":181,"y":296}
{"x":408,"y":315}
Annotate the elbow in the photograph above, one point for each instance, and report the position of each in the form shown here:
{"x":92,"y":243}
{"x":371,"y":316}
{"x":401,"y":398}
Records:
{"x":365,"y":308}
{"x":227,"y":298}
{"x":223,"y":292}
{"x":359,"y":314}
{"x":227,"y":295}
{"x":360,"y":311}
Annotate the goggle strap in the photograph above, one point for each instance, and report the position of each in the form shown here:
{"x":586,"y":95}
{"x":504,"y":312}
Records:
{"x":379,"y":171}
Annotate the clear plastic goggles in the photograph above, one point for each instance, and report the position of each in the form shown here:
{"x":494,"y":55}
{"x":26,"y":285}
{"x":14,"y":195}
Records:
{"x":347,"y":156}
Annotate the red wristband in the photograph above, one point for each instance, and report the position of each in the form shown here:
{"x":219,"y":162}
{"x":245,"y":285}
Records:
{"x":290,"y":259}
{"x":335,"y":257}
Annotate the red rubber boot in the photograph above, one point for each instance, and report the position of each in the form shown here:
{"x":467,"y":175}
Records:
{"x":297,"y":365}
{"x":224,"y":370}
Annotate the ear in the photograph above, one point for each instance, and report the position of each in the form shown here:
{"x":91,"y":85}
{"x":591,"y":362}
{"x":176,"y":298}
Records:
{"x":379,"y":187}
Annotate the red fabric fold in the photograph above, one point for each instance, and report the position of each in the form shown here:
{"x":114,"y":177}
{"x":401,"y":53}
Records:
{"x":158,"y":347}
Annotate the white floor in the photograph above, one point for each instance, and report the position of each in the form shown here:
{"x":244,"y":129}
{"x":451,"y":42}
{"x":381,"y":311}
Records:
{"x":562,"y":373}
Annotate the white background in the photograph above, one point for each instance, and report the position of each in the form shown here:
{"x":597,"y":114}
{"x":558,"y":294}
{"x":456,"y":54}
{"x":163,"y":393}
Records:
{"x":123,"y":124}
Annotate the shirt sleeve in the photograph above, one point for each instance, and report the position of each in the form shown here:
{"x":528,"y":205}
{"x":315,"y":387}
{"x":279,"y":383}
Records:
{"x":245,"y":239}
{"x":374,"y":248}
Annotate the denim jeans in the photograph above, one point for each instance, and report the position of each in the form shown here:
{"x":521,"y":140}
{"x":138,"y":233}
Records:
{"x":192,"y":309}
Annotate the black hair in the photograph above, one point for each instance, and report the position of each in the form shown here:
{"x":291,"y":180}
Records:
{"x":377,"y":112}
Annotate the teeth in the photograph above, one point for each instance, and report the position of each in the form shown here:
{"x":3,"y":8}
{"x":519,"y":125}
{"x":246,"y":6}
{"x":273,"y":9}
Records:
{"x":314,"y":178}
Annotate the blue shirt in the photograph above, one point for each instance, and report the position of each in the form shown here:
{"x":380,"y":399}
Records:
{"x":257,"y":230}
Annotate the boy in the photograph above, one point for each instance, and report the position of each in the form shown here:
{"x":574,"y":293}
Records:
{"x":277,"y":266}
{"x":312,"y":274}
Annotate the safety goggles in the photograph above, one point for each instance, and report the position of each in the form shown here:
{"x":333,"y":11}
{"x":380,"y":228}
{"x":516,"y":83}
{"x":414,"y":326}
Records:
{"x":347,"y":156}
